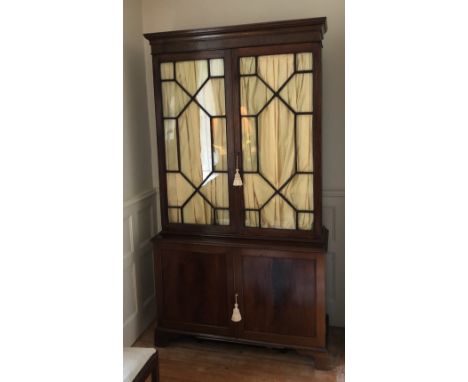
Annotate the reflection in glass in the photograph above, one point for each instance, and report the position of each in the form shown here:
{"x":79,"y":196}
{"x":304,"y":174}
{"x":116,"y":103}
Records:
{"x":170,"y":137}
{"x":276,"y":142}
{"x":216,"y":191}
{"x":217,"y":67}
{"x":195,"y":142}
{"x":218,"y":127}
{"x":249,"y":144}
{"x":173,"y":99}
{"x":211,"y":97}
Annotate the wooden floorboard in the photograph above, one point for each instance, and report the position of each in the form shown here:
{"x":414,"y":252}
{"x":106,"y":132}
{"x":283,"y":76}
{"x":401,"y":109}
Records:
{"x":188,"y":359}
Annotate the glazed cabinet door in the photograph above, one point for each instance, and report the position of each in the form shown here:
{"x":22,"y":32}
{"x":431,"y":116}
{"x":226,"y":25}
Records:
{"x":193,"y":100}
{"x":278,"y":124}
{"x":194,"y":283}
{"x":281,"y":297}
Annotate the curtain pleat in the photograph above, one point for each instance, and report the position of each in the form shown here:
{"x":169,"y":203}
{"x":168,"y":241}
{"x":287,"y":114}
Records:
{"x":277,"y":141}
{"x":195,"y":143}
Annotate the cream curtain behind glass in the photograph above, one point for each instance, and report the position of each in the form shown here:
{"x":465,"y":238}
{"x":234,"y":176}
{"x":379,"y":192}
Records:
{"x":277,"y":139}
{"x":194,"y":140}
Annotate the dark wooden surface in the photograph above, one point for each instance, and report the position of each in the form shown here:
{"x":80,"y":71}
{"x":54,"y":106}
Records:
{"x":278,"y":274}
{"x":281,"y":292}
{"x":279,"y":295}
{"x":260,"y":34}
{"x":195,"y":287}
{"x":231,"y":43}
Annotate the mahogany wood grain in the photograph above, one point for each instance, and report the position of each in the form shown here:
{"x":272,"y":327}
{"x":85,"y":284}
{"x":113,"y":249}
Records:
{"x":260,"y":34}
{"x":278,"y":274}
{"x":194,"y":286}
{"x":279,"y":295}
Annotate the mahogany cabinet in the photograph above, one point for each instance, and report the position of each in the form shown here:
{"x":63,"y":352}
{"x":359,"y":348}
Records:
{"x":238,"y":114}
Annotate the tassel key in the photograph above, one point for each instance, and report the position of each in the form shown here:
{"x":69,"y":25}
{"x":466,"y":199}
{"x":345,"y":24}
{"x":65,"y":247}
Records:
{"x":236,"y":316}
{"x":237,"y":178}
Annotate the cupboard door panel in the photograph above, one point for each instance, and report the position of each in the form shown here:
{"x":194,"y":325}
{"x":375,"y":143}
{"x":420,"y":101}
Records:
{"x":194,"y":288}
{"x":279,"y":295}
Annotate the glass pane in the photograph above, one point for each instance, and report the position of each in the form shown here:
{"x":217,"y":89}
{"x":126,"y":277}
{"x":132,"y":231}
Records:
{"x":304,"y":61}
{"x":167,"y":71}
{"x":222,"y":217}
{"x":299,"y":192}
{"x":252,"y":219}
{"x":278,"y":214}
{"x":198,"y":211}
{"x":195,"y":144}
{"x":192,"y":74}
{"x":173,"y":99}
{"x":211,"y":97}
{"x":256,"y":191}
{"x":178,"y":189}
{"x":175,"y":215}
{"x":304,"y":140}
{"x":170,"y":137}
{"x":218,"y":126}
{"x":216,"y":190}
{"x":247,"y":65}
{"x":217,"y":67}
{"x":249,"y":144}
{"x":298,"y":92}
{"x":305,"y":220}
{"x":276,"y":143}
{"x":254,"y":95}
{"x":276,"y":69}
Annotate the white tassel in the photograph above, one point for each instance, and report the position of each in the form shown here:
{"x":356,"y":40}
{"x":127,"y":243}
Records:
{"x":237,"y":178}
{"x":236,"y":316}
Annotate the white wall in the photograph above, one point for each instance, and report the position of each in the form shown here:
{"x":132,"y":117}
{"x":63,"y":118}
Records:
{"x":166,"y":15}
{"x":139,"y":194}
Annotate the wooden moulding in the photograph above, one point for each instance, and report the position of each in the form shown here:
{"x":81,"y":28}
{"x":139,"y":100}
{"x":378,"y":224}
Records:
{"x":260,"y":34}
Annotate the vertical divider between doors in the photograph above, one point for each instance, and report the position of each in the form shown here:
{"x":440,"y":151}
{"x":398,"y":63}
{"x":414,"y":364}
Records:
{"x":232,"y":79}
{"x":235,"y":136}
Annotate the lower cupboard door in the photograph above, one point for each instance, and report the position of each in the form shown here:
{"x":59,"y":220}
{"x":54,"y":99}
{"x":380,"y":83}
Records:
{"x":282,"y":298}
{"x":194,"y":289}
